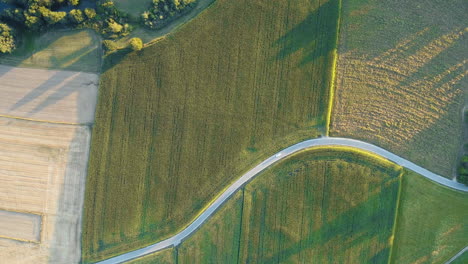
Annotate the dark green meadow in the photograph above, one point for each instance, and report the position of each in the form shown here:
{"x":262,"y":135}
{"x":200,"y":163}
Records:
{"x":181,"y":119}
{"x":319,"y":206}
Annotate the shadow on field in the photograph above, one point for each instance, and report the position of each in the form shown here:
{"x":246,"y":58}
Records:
{"x":371,"y":220}
{"x":115,"y":58}
{"x":315,"y":36}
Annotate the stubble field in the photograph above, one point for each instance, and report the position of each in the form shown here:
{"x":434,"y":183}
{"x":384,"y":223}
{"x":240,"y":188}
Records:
{"x":180,"y":120}
{"x":42,"y":174}
{"x":401,"y":77}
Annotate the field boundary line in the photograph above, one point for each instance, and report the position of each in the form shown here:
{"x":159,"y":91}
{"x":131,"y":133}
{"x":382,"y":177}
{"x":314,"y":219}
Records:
{"x":331,"y":96}
{"x":221,"y":198}
{"x":395,"y":218}
{"x":45,"y":121}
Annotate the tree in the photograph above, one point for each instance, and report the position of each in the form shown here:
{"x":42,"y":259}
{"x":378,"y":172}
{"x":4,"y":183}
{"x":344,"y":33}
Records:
{"x":7,"y":39}
{"x":136,"y":44}
{"x":76,"y":15}
{"x":74,"y":2}
{"x":90,"y":13}
{"x":114,"y":26}
{"x":109,"y":46}
{"x":51,"y":17}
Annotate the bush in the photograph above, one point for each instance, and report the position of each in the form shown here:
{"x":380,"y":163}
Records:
{"x":90,"y":13}
{"x":109,"y":46}
{"x":7,"y":39}
{"x":136,"y":44}
{"x":76,"y":15}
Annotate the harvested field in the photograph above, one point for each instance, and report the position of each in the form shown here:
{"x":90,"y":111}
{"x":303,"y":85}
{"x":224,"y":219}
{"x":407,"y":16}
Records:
{"x":52,"y":96}
{"x":432,"y":222}
{"x":180,"y":120}
{"x":319,"y":206}
{"x":400,"y":78}
{"x":20,"y":226}
{"x":42,"y":172}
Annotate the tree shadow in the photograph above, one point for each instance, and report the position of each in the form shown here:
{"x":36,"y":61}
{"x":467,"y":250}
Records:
{"x":359,"y":224}
{"x":315,"y":36}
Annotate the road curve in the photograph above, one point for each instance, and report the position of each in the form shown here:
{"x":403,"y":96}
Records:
{"x":325,"y":141}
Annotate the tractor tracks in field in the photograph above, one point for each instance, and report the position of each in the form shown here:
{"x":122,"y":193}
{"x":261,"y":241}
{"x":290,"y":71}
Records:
{"x":283,"y":154}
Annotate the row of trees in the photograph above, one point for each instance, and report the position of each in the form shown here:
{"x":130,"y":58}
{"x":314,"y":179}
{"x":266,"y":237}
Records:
{"x":103,"y":16}
{"x":163,"y":11}
{"x":40,"y":15}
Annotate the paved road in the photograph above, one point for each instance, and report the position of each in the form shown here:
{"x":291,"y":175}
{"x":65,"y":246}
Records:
{"x":457,"y":255}
{"x":325,"y":141}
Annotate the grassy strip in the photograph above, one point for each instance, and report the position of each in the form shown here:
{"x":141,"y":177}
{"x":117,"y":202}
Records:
{"x":333,"y":72}
{"x":431,"y":226}
{"x":395,"y":218}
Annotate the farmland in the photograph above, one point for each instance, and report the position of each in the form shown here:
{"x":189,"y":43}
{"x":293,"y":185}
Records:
{"x":431,"y":226}
{"x":42,"y":176}
{"x":53,"y":96}
{"x":303,"y":210}
{"x":180,"y":120}
{"x":77,"y":50}
{"x":401,"y":74}
{"x":163,"y":257}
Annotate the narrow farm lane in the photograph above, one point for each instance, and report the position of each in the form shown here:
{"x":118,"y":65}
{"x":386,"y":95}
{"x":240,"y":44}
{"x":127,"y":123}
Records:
{"x":325,"y":141}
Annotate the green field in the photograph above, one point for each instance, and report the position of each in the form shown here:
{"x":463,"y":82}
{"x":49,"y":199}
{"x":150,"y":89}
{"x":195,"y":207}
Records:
{"x":180,"y":120}
{"x":133,"y":7}
{"x":283,"y":216}
{"x":77,"y":50}
{"x":401,"y":76}
{"x":463,"y":259}
{"x":217,"y":241}
{"x":431,"y":226}
{"x":166,"y":256}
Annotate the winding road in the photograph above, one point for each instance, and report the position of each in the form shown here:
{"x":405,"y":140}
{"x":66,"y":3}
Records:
{"x":325,"y":141}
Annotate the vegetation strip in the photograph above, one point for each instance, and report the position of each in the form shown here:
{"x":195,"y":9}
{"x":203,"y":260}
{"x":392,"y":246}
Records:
{"x":362,"y":146}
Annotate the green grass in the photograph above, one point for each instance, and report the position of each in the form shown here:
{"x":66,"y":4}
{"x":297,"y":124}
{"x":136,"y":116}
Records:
{"x":78,"y":50}
{"x":166,"y":256}
{"x":401,"y":78}
{"x":133,"y":7}
{"x":319,"y":206}
{"x":431,"y":226}
{"x":463,"y":259}
{"x":180,"y":120}
{"x":218,"y":239}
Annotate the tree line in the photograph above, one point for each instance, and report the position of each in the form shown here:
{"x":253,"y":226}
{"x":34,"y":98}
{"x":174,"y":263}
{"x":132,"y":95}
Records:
{"x":103,"y":17}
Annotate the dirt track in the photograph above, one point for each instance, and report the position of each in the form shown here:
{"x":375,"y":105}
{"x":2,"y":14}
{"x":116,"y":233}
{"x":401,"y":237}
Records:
{"x":53,"y":96}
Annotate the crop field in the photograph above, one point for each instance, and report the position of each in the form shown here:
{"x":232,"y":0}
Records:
{"x":218,"y":239}
{"x":53,"y":96}
{"x":431,"y":225}
{"x":284,"y":216}
{"x":42,"y":177}
{"x":401,"y":74}
{"x":165,"y":256}
{"x":181,"y":119}
{"x":77,"y":50}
